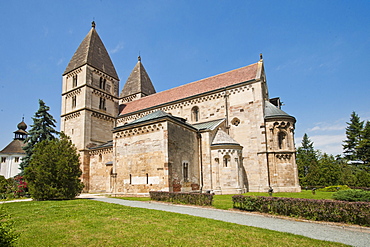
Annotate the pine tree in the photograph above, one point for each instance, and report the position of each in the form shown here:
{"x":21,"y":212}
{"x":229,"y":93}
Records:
{"x":353,"y":133}
{"x":42,"y":129}
{"x":364,"y":146}
{"x":54,"y":170}
{"x":307,"y":161}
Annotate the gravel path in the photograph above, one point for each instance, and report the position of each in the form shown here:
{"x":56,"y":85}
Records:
{"x":355,"y":236}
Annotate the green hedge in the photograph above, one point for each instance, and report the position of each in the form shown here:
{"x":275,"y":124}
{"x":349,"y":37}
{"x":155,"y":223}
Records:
{"x":201,"y":199}
{"x":320,"y":210}
{"x":352,"y":195}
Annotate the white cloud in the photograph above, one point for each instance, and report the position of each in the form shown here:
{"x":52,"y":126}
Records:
{"x":117,"y":48}
{"x":328,"y":127}
{"x":330,"y":144}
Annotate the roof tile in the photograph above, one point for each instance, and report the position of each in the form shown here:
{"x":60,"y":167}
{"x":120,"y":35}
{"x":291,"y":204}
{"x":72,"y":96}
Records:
{"x":198,"y":87}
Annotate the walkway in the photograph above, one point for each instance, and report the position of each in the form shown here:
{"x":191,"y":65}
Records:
{"x":355,"y":236}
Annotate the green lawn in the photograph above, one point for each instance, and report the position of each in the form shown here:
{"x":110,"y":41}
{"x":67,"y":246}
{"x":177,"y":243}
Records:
{"x":92,"y":223}
{"x":225,"y":201}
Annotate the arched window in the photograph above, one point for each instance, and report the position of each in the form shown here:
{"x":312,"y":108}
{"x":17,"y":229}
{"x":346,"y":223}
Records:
{"x":195,"y":114}
{"x":102,"y":104}
{"x":100,"y":158}
{"x":226,"y":160}
{"x":74,"y":81}
{"x":282,"y":140}
{"x":102,"y":83}
{"x":74,"y":101}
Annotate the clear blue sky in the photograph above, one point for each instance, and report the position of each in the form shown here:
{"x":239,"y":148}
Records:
{"x":316,"y":53}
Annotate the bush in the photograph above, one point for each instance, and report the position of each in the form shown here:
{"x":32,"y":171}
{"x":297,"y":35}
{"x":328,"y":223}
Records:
{"x":201,"y":199}
{"x":7,"y":234}
{"x":334,"y":188}
{"x":320,"y":210}
{"x":352,"y":196}
{"x":54,"y":170}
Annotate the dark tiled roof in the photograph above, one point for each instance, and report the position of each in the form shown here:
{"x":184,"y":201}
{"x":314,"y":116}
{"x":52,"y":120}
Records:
{"x":210,"y":125}
{"x":15,"y":147}
{"x":198,"y":87}
{"x":138,"y":82}
{"x":92,"y":52}
{"x":271,"y":111}
{"x":153,"y":116}
{"x":105,"y":145}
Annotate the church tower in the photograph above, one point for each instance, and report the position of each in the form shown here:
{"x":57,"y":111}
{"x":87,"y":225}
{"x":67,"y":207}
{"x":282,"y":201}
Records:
{"x":89,"y":97}
{"x":138,"y":84}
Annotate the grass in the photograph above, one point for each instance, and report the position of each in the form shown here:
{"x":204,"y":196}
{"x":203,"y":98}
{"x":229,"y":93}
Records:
{"x":92,"y":223}
{"x":225,"y":201}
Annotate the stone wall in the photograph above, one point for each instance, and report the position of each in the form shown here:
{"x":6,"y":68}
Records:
{"x":101,"y":170}
{"x":183,"y":157}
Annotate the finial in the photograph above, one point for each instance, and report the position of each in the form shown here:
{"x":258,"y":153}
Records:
{"x":139,"y":58}
{"x":261,"y":56}
{"x":93,"y":24}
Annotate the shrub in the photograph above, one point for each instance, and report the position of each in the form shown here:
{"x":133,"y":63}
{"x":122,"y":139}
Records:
{"x":352,"y":196}
{"x":201,"y":199}
{"x":321,"y":210}
{"x":54,"y":170}
{"x":334,"y":188}
{"x":7,"y":234}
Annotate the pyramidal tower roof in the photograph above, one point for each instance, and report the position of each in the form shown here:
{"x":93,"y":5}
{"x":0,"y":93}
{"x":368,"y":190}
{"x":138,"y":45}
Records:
{"x":138,"y":82}
{"x":92,"y":52}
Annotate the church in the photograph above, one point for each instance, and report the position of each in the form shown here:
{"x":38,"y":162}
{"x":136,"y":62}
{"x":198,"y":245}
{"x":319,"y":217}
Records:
{"x":221,"y":134}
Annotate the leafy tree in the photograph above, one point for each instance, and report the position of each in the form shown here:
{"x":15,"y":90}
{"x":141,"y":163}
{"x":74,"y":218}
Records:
{"x":54,"y":170}
{"x":307,"y":161}
{"x":353,"y":133}
{"x":42,"y":129}
{"x":329,"y":170}
{"x":363,"y":178}
{"x":364,"y":146}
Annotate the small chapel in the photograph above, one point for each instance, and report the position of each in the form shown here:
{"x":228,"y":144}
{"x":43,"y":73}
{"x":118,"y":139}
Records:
{"x":221,"y":134}
{"x":11,"y":156}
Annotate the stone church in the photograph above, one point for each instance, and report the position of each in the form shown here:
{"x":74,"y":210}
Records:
{"x":221,"y":134}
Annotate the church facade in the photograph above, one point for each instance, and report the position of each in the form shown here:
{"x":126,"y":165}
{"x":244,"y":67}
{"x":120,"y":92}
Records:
{"x":221,"y":134}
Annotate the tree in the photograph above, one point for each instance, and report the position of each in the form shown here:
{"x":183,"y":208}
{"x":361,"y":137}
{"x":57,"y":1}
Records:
{"x":307,"y":160}
{"x":54,"y":170}
{"x":364,"y":146}
{"x":353,"y":133}
{"x":42,"y":129}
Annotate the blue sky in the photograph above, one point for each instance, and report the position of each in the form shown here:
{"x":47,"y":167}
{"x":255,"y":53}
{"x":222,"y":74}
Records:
{"x":316,"y":53}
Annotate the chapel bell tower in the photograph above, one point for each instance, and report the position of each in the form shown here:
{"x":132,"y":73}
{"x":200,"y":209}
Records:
{"x":89,"y":97}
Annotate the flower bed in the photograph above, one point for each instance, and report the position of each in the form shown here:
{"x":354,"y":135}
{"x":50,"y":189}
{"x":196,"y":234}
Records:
{"x":320,"y":210}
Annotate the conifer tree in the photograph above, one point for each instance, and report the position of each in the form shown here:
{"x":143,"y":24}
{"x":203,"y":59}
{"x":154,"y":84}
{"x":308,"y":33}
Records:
{"x":353,"y":133}
{"x":364,"y":146}
{"x":54,"y":170}
{"x":307,"y":160}
{"x":42,"y":129}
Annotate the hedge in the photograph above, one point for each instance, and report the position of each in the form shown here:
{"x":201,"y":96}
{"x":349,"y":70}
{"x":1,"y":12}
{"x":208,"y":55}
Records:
{"x":352,"y":195}
{"x":320,"y":210}
{"x":201,"y":199}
